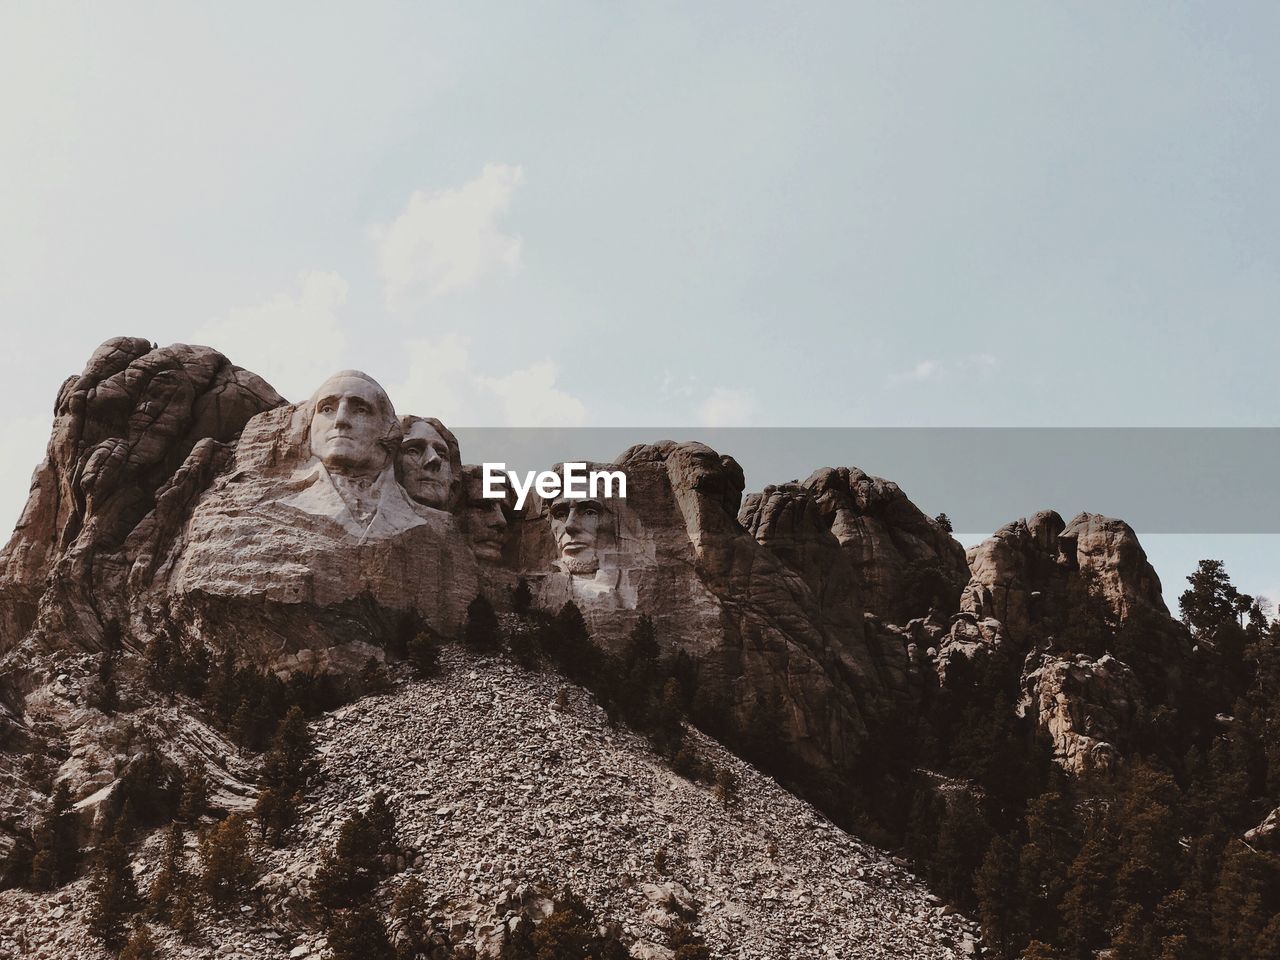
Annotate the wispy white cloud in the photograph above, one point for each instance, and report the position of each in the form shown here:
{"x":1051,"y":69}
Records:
{"x":447,"y":240}
{"x":930,"y":369}
{"x":924,"y":370}
{"x":293,"y":340}
{"x":442,"y":382}
{"x":727,"y":407}
{"x":674,"y":387}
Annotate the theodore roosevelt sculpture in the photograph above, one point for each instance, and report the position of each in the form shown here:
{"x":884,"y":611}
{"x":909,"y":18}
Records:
{"x":483,"y":518}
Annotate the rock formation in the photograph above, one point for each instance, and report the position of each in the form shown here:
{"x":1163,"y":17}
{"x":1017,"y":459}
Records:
{"x":892,"y":546}
{"x":1089,"y":708}
{"x":181,"y":497}
{"x":122,"y":429}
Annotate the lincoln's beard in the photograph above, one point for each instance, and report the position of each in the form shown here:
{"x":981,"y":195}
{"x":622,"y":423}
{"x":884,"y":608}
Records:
{"x":581,"y":565}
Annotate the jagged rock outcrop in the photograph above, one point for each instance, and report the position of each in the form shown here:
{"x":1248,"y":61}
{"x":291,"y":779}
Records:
{"x":1017,"y":572}
{"x":1109,"y":556}
{"x":903,"y":561}
{"x":1266,"y":835}
{"x":1089,"y":708}
{"x":121,"y":429}
{"x":1020,"y":575}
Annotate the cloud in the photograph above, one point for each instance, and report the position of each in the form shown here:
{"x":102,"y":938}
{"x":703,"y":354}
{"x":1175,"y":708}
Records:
{"x":448,"y":240}
{"x":441,"y":382}
{"x":928,"y":369}
{"x":293,"y":340}
{"x":924,"y":370}
{"x":530,"y":398}
{"x":727,"y":407}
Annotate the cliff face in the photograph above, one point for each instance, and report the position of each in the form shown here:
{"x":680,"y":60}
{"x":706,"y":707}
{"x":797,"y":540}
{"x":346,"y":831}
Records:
{"x":183,"y":500}
{"x":122,"y":429}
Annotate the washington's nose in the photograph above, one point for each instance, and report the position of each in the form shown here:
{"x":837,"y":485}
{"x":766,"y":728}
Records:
{"x":342,"y":415}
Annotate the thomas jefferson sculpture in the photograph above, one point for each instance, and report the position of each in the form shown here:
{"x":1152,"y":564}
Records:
{"x":430,"y":463}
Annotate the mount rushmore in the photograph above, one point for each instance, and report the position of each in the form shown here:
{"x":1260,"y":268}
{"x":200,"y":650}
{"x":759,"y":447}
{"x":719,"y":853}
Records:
{"x":182,"y":496}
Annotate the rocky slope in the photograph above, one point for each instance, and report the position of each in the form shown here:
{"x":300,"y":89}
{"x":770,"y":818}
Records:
{"x":499,"y":794}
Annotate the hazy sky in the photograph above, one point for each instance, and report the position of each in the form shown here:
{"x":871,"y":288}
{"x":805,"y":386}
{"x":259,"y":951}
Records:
{"x":695,"y":213}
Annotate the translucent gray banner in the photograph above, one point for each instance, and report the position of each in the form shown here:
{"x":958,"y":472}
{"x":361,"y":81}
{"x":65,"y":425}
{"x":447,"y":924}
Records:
{"x":1160,"y":480}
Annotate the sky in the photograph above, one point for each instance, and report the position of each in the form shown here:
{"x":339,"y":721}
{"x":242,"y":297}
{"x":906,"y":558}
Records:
{"x":711,"y":214}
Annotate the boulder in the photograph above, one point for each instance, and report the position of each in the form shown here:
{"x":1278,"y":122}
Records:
{"x":903,"y":561}
{"x":1088,"y":708}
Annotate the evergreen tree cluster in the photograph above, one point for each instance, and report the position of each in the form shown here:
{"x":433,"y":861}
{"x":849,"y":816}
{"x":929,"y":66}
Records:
{"x":571,"y":932}
{"x":639,"y":687}
{"x":1148,"y":862}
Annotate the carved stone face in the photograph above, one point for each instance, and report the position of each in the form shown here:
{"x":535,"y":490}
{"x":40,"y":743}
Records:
{"x":575,"y":524}
{"x":485,"y":521}
{"x":425,"y":471}
{"x":352,"y":416}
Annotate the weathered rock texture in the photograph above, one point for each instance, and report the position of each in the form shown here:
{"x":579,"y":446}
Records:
{"x":1020,"y":574}
{"x":1029,"y":588}
{"x":499,"y":795}
{"x":889,"y":541}
{"x":121,"y":430}
{"x":1089,"y":708}
{"x":771,"y":620}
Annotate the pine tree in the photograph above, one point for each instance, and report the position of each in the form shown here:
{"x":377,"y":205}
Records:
{"x":57,"y":847}
{"x":380,"y":822}
{"x":523,"y":644}
{"x":171,"y":879}
{"x":113,"y":894}
{"x":480,"y":632}
{"x":1000,"y":900}
{"x":424,"y":654}
{"x":962,"y":841}
{"x":1240,"y":912}
{"x":359,"y":934}
{"x":923,"y":822}
{"x":193,"y":800}
{"x":1133,"y":940}
{"x":418,"y":933}
{"x":1211,"y":600}
{"x":228,"y":867}
{"x":353,"y":868}
{"x":1148,"y":849}
{"x":106,"y":695}
{"x":1086,"y":905}
{"x":687,"y":944}
{"x":161,"y":666}
{"x":726,"y":787}
{"x":1037,"y":950}
{"x":140,"y":945}
{"x":1044,"y":861}
{"x":373,"y":677}
{"x":569,"y":644}
{"x":286,"y":768}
